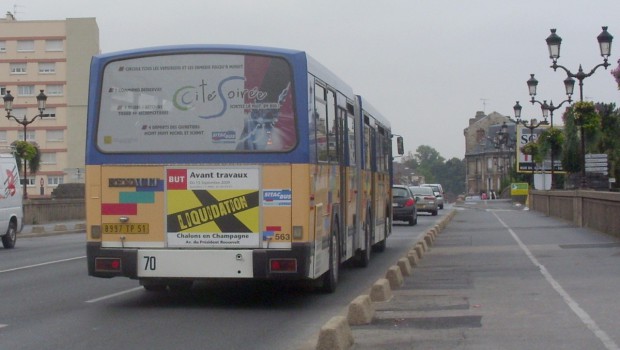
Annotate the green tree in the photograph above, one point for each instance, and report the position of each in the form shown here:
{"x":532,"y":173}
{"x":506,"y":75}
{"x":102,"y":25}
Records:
{"x":429,"y":162}
{"x":571,"y":155}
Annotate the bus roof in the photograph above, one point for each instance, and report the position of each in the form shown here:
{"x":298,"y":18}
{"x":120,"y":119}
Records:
{"x":366,"y":106}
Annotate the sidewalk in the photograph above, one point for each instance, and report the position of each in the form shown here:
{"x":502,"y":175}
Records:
{"x":474,"y":285}
{"x":54,"y":228}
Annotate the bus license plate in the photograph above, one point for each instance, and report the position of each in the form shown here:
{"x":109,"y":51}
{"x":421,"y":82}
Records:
{"x":125,"y":228}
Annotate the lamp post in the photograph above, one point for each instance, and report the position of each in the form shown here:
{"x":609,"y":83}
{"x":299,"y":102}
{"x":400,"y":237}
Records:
{"x":604,"y":41}
{"x":532,"y":124}
{"x":8,"y":107}
{"x":548,"y":109}
{"x":503,"y":143}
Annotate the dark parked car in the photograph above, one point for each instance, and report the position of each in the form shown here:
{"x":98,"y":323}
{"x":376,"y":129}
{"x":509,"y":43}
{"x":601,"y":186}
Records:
{"x":403,"y":205}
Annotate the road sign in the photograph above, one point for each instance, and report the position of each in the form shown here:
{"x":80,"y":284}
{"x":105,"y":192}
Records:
{"x":519,"y":189}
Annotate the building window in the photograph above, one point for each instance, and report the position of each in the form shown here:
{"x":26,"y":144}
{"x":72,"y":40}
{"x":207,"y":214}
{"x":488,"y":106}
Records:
{"x":47,"y":67}
{"x":3,"y":136}
{"x":49,"y":112}
{"x":55,"y":135}
{"x":48,"y":158}
{"x":30,"y":135}
{"x":54,"y":90}
{"x":2,"y":46}
{"x":55,"y":180}
{"x":2,"y":90}
{"x":18,"y":68}
{"x":53,"y":45}
{"x":25,"y":90}
{"x":25,"y":45}
{"x":29,"y":182}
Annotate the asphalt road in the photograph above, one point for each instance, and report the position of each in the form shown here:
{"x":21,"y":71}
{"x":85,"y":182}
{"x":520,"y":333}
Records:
{"x":47,"y":301}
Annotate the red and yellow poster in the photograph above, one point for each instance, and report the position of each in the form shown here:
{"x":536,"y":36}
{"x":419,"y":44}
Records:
{"x":212,"y":207}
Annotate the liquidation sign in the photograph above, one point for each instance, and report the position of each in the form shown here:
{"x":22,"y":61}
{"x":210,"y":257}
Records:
{"x":212,"y":207}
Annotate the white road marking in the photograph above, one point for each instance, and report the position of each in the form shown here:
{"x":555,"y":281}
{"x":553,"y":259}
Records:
{"x":3,"y":325}
{"x":581,"y":313}
{"x":110,"y":296}
{"x":42,"y":264}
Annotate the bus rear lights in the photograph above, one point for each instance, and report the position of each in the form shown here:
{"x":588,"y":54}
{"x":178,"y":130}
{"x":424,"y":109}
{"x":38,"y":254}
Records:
{"x":283,"y":265}
{"x":108,"y":264}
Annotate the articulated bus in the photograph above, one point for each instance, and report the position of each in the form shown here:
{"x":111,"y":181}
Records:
{"x":231,"y":162}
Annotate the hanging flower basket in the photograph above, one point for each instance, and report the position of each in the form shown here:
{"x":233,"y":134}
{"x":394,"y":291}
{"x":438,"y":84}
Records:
{"x":552,"y":139}
{"x":530,"y":148}
{"x":616,"y":73}
{"x":586,"y":116}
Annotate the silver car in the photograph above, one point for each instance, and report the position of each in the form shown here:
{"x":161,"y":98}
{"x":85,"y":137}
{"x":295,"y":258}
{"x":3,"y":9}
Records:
{"x":438,"y":190}
{"x":425,"y":199}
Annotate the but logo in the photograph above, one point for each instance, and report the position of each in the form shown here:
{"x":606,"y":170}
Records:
{"x":176,"y":179}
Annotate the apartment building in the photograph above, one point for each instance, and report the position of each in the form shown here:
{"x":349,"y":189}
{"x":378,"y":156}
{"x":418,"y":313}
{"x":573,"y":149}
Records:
{"x":53,"y":56}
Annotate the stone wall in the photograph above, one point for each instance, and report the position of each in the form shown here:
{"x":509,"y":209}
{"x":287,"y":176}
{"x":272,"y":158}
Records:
{"x":597,"y":210}
{"x":43,"y":211}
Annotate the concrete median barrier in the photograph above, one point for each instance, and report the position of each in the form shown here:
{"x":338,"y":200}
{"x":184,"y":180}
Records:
{"x":381,"y":291}
{"x":335,"y":335}
{"x":394,"y":276}
{"x":405,"y":267}
{"x":361,"y":311}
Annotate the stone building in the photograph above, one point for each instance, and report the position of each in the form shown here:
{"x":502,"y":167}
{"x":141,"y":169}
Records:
{"x":489,"y":152}
{"x":54,"y":56}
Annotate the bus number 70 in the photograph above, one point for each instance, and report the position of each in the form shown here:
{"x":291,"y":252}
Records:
{"x":150,"y":263}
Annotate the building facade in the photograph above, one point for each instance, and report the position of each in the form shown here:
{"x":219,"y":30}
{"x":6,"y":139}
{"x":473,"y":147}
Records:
{"x":53,"y":56}
{"x":489,"y":152}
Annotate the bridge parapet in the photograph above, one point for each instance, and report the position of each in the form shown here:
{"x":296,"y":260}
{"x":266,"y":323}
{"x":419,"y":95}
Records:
{"x":593,"y":209}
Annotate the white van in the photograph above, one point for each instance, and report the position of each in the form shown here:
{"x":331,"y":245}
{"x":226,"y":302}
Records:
{"x":11,"y":208}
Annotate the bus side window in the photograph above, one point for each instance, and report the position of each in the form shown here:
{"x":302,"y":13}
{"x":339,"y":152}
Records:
{"x":332,"y":125}
{"x":320,"y":106}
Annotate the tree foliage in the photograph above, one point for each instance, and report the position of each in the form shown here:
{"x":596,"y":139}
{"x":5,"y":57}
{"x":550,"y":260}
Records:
{"x":429,"y":163}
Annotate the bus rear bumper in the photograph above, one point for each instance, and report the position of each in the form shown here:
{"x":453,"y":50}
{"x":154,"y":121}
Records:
{"x":274,"y":264}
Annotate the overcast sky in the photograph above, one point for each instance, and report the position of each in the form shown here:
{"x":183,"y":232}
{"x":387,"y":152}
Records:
{"x":427,"y":65}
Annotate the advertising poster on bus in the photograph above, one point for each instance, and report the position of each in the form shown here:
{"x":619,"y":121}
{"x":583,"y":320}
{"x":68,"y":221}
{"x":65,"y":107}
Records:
{"x":212,"y":207}
{"x":197,"y":103}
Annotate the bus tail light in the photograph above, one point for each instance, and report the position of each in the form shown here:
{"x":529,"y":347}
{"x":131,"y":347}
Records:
{"x":283,"y":265}
{"x":108,"y":264}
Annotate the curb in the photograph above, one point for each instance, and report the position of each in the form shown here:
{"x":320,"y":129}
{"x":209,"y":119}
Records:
{"x":336,"y":334}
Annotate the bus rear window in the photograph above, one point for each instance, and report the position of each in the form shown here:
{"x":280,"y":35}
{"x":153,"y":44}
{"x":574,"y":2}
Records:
{"x":197,"y":103}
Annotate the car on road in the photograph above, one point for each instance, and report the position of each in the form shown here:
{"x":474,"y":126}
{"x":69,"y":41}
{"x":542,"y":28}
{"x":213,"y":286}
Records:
{"x":438,"y":190}
{"x":403,"y":205}
{"x":425,"y":199}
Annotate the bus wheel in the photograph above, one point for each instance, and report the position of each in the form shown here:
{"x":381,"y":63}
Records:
{"x":330,"y":278}
{"x":9,"y":239}
{"x":363,"y":255}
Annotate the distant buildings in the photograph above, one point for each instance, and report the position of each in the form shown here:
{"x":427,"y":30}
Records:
{"x":489,"y":152}
{"x":54,"y":56}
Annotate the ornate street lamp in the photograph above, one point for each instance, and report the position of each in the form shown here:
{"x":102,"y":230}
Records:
{"x":548,"y":109}
{"x":8,"y":107}
{"x":604,"y":41}
{"x":532,"y":124}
